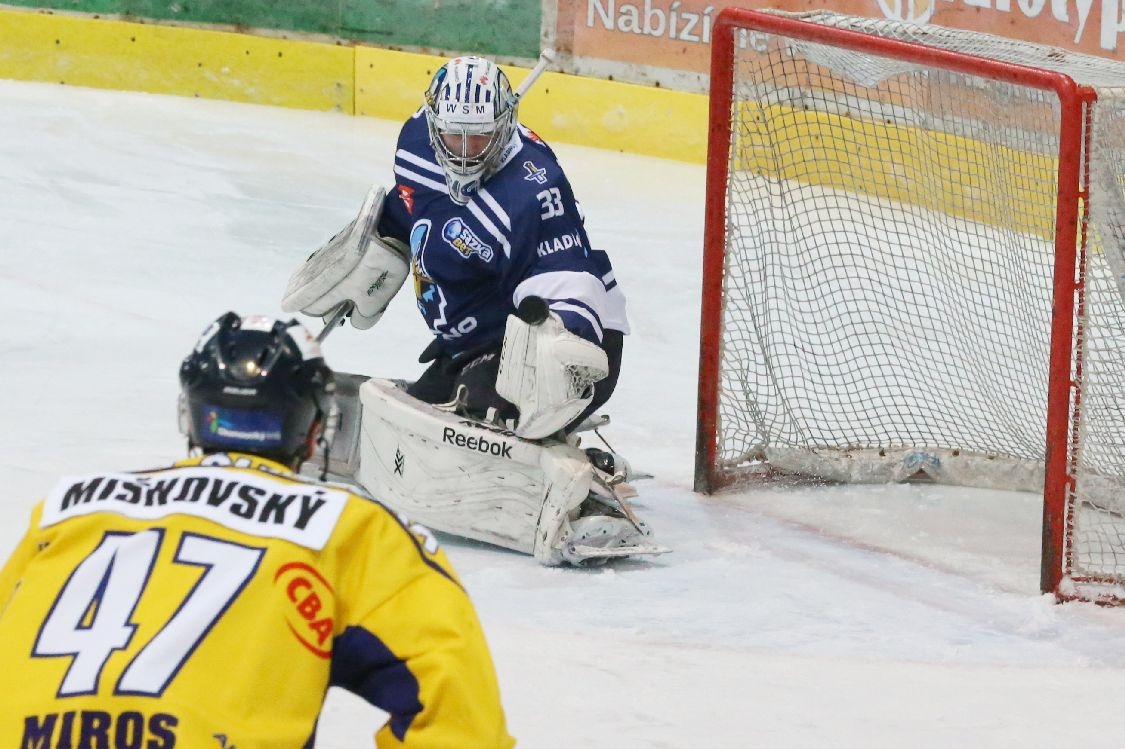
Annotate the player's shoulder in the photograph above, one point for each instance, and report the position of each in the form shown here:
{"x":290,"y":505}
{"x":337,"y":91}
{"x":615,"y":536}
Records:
{"x":528,"y":172}
{"x":535,"y":143}
{"x":415,"y":164}
{"x":370,"y":524}
{"x":536,"y":161}
{"x":414,"y":128}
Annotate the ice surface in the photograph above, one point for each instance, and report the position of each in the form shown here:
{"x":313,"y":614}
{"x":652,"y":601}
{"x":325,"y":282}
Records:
{"x":870,"y":617}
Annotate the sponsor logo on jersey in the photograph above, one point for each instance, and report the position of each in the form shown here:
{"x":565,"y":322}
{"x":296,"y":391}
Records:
{"x":312,"y":603}
{"x":534,"y":173}
{"x":100,"y":728}
{"x":250,"y":503}
{"x":497,"y":448}
{"x":406,"y":195}
{"x":558,"y":244}
{"x":509,"y":150}
{"x":461,"y":238}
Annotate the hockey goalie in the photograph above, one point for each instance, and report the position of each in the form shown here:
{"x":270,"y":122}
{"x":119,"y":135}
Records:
{"x":527,"y":320}
{"x":513,"y":475}
{"x":527,"y":323}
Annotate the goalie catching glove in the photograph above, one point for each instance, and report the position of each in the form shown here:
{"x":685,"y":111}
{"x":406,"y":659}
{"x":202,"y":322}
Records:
{"x":356,"y":266}
{"x":546,"y":371}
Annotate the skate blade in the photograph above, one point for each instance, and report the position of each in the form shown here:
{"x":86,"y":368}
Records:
{"x":582,"y":553}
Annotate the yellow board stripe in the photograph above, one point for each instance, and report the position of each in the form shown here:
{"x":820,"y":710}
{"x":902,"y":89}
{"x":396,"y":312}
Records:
{"x":390,"y":84}
{"x":103,"y":53}
{"x":566,"y":108}
{"x":111,"y":54}
{"x":618,"y":116}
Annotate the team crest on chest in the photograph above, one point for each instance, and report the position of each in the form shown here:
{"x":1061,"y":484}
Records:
{"x":461,"y":238}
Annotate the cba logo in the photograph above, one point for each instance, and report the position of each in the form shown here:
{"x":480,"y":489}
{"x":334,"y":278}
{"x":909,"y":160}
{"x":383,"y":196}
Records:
{"x":914,"y":11}
{"x":313,"y":603}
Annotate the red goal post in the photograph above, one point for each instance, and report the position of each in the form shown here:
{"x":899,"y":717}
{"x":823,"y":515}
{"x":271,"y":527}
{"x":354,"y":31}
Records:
{"x":907,"y":273}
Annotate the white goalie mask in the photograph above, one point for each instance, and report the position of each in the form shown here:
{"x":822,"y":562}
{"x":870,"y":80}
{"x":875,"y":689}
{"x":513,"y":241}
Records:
{"x":471,"y":113}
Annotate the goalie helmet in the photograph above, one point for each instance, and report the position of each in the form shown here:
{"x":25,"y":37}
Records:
{"x":255,"y":385}
{"x":471,"y":114}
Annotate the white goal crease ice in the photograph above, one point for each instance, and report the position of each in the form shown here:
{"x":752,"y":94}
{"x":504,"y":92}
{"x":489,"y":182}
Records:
{"x":915,"y":268}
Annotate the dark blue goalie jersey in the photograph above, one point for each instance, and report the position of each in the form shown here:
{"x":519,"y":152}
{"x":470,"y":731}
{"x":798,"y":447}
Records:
{"x":520,"y":235}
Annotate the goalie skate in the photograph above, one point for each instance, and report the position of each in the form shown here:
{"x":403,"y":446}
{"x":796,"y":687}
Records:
{"x":608,"y":462}
{"x":583,"y":555}
{"x":607,"y":528}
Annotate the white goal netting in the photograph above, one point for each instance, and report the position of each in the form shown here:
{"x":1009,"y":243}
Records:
{"x":889,"y":274}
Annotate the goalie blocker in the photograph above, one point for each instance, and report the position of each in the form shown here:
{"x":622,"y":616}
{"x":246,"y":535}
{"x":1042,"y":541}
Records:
{"x":478,"y":481}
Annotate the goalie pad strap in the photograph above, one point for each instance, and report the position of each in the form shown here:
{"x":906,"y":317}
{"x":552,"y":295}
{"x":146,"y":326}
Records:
{"x":356,"y":265}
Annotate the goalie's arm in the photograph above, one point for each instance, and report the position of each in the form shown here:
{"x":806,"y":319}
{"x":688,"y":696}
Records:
{"x":357,"y":266}
{"x":554,"y":262}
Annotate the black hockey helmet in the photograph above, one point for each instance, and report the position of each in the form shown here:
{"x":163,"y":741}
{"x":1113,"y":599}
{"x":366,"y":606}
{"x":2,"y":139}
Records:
{"x":255,"y":385}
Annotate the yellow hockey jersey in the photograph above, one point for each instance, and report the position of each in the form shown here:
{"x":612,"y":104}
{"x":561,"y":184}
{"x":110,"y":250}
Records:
{"x":212,"y":604}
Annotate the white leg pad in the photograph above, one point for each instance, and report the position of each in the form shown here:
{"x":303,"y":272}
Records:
{"x":460,"y":477}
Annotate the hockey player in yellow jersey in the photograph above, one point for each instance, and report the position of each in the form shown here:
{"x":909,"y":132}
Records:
{"x":212,"y":603}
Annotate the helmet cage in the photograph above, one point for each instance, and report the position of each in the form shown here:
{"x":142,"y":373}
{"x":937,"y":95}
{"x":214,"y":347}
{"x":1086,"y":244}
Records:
{"x":469,"y":96}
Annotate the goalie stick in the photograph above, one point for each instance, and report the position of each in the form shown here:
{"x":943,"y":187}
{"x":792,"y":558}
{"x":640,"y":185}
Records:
{"x":546,"y":57}
{"x":335,"y":320}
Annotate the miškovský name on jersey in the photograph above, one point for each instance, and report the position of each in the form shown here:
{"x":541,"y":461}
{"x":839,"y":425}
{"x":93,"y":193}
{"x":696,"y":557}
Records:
{"x":303,"y":513}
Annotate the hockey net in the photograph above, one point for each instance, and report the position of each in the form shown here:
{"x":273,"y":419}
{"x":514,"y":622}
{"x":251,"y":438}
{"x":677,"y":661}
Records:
{"x":914,"y":251}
